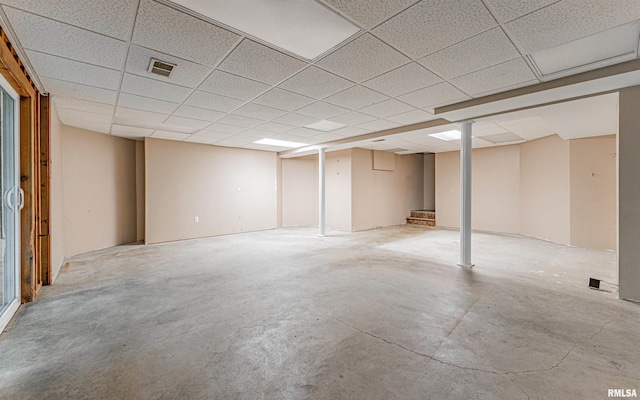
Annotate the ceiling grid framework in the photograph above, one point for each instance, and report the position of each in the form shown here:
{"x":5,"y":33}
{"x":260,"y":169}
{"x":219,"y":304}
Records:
{"x":231,"y":89}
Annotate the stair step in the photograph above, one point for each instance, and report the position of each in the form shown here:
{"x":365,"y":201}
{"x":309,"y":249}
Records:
{"x":421,"y":221}
{"x":427,"y":214}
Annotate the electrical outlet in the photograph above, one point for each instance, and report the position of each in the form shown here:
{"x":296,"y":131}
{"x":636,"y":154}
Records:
{"x":196,"y":219}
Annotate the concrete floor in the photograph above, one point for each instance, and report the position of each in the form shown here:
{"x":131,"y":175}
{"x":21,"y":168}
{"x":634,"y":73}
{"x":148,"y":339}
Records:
{"x":382,"y":314}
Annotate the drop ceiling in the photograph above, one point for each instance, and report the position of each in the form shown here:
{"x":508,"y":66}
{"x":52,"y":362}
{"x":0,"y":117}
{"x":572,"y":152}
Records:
{"x":231,"y":88}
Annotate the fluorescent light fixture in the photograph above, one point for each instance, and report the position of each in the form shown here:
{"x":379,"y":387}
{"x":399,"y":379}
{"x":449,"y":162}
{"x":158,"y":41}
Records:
{"x":325,"y":126}
{"x":447,"y":135}
{"x":303,"y":27}
{"x":279,"y":143}
{"x":601,"y":47}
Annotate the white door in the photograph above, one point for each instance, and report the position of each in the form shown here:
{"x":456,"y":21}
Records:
{"x":12,"y":201}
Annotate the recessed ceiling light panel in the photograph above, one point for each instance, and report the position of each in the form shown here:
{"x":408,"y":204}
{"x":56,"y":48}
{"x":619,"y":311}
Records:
{"x":303,"y":27}
{"x":606,"y":47}
{"x":279,"y":143}
{"x":325,"y":126}
{"x":447,"y":135}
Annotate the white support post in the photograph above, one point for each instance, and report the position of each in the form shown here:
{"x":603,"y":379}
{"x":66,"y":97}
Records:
{"x":321,"y":192}
{"x":465,"y":195}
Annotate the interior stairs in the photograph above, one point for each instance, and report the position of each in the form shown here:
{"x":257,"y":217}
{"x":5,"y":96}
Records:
{"x":422,"y":217}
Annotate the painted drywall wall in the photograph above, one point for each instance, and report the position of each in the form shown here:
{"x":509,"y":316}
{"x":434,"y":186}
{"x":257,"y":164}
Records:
{"x":93,"y":191}
{"x":495,"y":189}
{"x":299,"y":191}
{"x":229,"y":190}
{"x":545,"y":189}
{"x":338,"y":181}
{"x":385,"y":198}
{"x":593,"y":192}
{"x":56,"y":214}
{"x":429,"y":173}
{"x":140,"y":201}
{"x":628,"y":158}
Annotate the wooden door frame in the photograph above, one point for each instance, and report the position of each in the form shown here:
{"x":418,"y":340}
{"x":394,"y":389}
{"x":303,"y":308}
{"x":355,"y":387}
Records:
{"x":35,"y":242}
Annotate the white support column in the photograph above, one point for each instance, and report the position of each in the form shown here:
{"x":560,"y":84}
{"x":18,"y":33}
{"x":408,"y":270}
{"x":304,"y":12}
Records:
{"x":321,"y":192}
{"x":465,"y":195}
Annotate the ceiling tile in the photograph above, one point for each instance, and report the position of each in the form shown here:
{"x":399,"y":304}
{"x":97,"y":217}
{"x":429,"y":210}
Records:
{"x":294,"y":119}
{"x":164,"y":29}
{"x":225,"y":84}
{"x":568,"y":20}
{"x":403,"y":80}
{"x":481,"y":51}
{"x":254,"y":134}
{"x":412,"y":117}
{"x":507,"y":88}
{"x":187,"y":122}
{"x":506,"y":10}
{"x":440,"y":23}
{"x":213,"y":134}
{"x":283,"y":99}
{"x":238,"y":120}
{"x":66,"y":114}
{"x":440,"y":93}
{"x":275,"y":127}
{"x":130,"y":131}
{"x":369,"y":13}
{"x":327,"y":137}
{"x":496,"y":77}
{"x":260,"y":112}
{"x":83,"y":105}
{"x":483,"y":129}
{"x":387,"y":108}
{"x":78,"y":91}
{"x":379,"y":125}
{"x":223,"y":128}
{"x":73,"y":71}
{"x":363,"y":59}
{"x":186,"y":73}
{"x":170,"y":135}
{"x":502,"y":137}
{"x":108,"y":17}
{"x":260,"y":63}
{"x":141,"y":86}
{"x":356,"y":97}
{"x":352,"y":118}
{"x":289,"y":138}
{"x":139,"y":115}
{"x":213,"y":101}
{"x":101,"y":127}
{"x":198,"y":113}
{"x":146,"y":103}
{"x":351,"y":131}
{"x":315,"y":83}
{"x":303,"y":132}
{"x":202,"y":139}
{"x":51,"y":37}
{"x":321,"y":110}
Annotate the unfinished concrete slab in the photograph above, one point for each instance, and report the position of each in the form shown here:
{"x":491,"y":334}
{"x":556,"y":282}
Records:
{"x":381,"y":314}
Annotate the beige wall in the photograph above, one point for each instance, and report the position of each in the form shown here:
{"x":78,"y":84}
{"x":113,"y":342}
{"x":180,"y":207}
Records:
{"x":338,"y":181}
{"x":545,"y":189}
{"x":230,"y":190}
{"x":385,"y":198}
{"x":628,"y":157}
{"x":56,"y":216}
{"x":495,"y":193}
{"x":93,"y":191}
{"x":563,"y":191}
{"x":429,"y":173}
{"x":299,"y":191}
{"x":140,"y":201}
{"x":593,"y":192}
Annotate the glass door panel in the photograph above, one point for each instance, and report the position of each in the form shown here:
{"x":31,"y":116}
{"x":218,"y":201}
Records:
{"x":11,"y":203}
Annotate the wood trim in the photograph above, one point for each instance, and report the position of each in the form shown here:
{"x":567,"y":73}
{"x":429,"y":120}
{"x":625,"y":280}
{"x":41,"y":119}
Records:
{"x":18,"y":76}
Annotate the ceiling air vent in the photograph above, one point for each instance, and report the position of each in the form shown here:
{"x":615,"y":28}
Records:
{"x":161,"y":68}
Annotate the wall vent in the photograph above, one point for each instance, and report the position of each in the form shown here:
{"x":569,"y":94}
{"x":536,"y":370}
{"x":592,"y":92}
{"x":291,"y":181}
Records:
{"x":161,"y":68}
